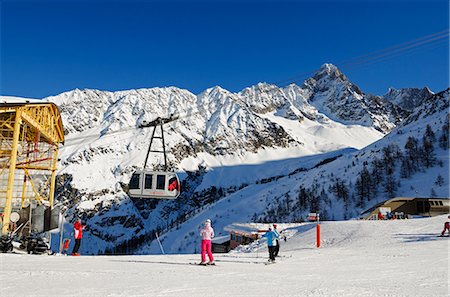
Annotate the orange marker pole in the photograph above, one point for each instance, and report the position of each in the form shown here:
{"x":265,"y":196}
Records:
{"x":318,"y":231}
{"x":318,"y":234}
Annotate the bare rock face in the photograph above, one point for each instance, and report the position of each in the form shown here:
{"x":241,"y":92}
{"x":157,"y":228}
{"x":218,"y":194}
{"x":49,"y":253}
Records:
{"x":408,"y":98}
{"x":334,"y":95}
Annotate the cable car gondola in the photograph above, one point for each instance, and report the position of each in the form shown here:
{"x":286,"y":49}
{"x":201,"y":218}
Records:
{"x":155,"y":184}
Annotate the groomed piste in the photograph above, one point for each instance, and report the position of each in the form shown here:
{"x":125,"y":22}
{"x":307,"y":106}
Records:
{"x":357,"y":258}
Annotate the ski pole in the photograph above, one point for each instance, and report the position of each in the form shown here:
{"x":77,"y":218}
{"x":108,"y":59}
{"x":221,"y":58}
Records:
{"x":159,"y":242}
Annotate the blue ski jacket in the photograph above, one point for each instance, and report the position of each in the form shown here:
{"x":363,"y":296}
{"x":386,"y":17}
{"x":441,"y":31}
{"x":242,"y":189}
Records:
{"x":271,"y":236}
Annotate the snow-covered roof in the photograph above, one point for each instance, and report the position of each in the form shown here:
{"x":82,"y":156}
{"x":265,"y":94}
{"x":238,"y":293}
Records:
{"x":12,"y":99}
{"x":247,"y":229}
{"x":220,"y":239}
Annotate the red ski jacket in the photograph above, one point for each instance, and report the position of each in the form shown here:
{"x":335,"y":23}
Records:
{"x":78,"y":230}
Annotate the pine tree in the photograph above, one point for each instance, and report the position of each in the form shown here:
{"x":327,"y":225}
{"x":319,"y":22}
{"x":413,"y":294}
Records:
{"x":324,"y":199}
{"x":433,"y":193}
{"x":396,"y":151}
{"x":360,"y":192}
{"x":388,"y":160}
{"x":439,"y":181}
{"x":363,"y":187}
{"x":377,"y":170}
{"x":324,"y":215}
{"x":412,"y":153}
{"x":390,"y":185}
{"x":406,"y":168}
{"x":302,"y":198}
{"x":347,"y":209}
{"x":340,"y":189}
{"x":429,"y":134}
{"x":314,"y":204}
{"x":287,"y":202}
{"x":428,"y":155}
{"x":443,"y":139}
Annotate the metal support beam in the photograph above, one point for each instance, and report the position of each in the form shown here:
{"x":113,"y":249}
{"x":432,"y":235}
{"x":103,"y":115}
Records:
{"x":46,"y":131}
{"x":12,"y":168}
{"x":53,"y":178}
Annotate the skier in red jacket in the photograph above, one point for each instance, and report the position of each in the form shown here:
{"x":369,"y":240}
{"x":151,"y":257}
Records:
{"x":78,"y":234}
{"x":446,"y":228}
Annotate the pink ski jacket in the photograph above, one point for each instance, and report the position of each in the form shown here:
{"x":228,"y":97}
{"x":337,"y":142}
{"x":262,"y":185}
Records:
{"x":207,"y":232}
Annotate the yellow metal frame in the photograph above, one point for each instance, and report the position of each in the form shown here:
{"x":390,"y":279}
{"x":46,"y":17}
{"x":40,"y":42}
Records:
{"x":29,"y":138}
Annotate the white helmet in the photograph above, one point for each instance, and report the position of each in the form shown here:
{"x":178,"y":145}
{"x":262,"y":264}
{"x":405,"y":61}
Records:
{"x":208,"y":221}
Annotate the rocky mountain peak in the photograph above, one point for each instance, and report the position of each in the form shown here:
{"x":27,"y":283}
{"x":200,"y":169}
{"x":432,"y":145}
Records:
{"x":408,"y":98}
{"x":329,"y":72}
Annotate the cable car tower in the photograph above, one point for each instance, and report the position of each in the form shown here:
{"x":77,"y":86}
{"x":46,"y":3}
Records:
{"x":155,"y":184}
{"x":30,"y":134}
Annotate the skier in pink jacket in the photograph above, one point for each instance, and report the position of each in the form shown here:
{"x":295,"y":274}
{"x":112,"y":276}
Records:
{"x":207,"y":232}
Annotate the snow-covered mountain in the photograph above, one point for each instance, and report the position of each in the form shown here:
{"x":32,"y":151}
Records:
{"x":223,"y":145}
{"x":216,"y":127}
{"x":332,"y":93}
{"x":391,"y":167}
{"x":329,"y":94}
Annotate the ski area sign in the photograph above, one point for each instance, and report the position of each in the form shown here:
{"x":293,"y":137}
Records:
{"x":312,"y":216}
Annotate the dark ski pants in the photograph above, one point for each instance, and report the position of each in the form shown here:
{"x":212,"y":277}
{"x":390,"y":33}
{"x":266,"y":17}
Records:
{"x":277,"y":249}
{"x":446,"y":228}
{"x":76,"y":246}
{"x":271,"y":252}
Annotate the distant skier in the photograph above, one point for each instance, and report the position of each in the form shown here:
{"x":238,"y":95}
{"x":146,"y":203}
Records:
{"x":78,"y":234}
{"x":380,"y":216}
{"x":207,"y":233}
{"x":271,"y":243}
{"x":446,"y":228}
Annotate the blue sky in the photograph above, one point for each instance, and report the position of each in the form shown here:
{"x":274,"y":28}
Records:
{"x":48,"y":47}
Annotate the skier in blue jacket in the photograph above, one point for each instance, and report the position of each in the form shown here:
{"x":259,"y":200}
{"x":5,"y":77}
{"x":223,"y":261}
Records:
{"x":271,"y":243}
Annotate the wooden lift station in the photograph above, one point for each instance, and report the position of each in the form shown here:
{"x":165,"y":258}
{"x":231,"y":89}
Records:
{"x":30,"y":134}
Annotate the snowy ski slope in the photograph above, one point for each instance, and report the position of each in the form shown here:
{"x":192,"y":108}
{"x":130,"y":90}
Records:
{"x":357,"y":258}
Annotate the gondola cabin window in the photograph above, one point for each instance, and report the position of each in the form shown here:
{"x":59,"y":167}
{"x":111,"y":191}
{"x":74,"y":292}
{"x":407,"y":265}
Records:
{"x":148,"y":181}
{"x":135,"y":181}
{"x":160,"y":182}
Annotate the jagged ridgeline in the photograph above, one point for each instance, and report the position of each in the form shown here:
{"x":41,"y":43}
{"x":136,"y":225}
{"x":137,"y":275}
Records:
{"x":225,"y":144}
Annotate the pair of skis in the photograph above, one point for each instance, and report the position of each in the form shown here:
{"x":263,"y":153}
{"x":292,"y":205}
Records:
{"x":203,"y":264}
{"x":243,"y":262}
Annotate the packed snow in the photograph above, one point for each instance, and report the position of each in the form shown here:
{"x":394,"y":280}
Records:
{"x":356,"y":258}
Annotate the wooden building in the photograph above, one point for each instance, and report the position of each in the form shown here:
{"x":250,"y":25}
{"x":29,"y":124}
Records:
{"x":243,"y":234}
{"x":221,"y":244}
{"x":409,"y":206}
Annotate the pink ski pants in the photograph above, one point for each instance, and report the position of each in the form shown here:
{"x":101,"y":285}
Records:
{"x":206,"y":248}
